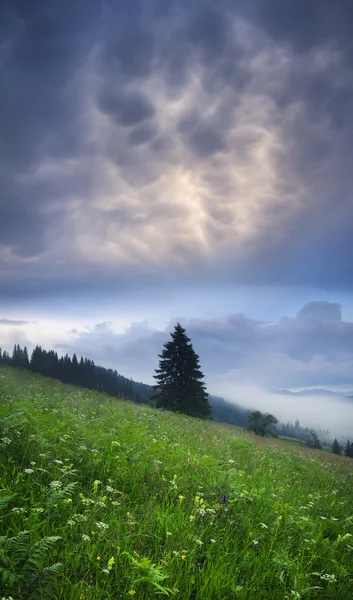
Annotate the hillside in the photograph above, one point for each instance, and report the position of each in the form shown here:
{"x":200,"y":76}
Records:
{"x":102,"y":498}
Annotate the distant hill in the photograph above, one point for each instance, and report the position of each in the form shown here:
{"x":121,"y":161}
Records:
{"x":308,"y":393}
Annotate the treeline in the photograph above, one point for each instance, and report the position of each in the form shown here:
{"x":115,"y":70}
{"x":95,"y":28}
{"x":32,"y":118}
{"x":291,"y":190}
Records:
{"x":227,"y":412}
{"x":85,"y":373}
{"x":348,"y":449}
{"x":302,"y":433}
{"x":82,"y":372}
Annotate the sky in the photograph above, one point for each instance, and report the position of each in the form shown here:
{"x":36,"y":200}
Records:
{"x":180,"y":161}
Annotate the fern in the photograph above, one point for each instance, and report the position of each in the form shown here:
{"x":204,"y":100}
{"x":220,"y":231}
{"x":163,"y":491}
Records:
{"x":39,"y":550}
{"x":149,"y":574}
{"x":54,"y":569}
{"x":24,"y":563}
{"x":17,"y":547}
{"x":5,"y":500}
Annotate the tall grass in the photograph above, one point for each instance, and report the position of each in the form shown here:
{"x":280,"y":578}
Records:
{"x":104,"y":499}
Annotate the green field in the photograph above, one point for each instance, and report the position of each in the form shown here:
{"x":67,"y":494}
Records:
{"x":106,"y":499}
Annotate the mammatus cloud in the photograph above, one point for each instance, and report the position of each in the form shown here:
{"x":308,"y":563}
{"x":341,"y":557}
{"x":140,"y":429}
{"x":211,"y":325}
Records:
{"x":199,"y":139}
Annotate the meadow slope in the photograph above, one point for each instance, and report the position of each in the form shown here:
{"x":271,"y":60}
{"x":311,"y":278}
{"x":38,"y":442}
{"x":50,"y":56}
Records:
{"x":104,"y":499}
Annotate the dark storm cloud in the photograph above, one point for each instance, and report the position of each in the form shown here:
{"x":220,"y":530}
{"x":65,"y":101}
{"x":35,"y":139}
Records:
{"x":43,"y":45}
{"x":306,"y":25}
{"x":230,"y":120}
{"x":128,"y":109}
{"x":142,"y":134}
{"x":205,"y":141}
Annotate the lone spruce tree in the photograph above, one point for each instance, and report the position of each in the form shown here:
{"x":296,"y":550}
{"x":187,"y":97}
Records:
{"x":179,"y":378}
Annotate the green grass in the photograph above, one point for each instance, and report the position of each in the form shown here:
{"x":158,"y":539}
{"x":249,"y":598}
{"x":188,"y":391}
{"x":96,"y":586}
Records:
{"x":104,"y":499}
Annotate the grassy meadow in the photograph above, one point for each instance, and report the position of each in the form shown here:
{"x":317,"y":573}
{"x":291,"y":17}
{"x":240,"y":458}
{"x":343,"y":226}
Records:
{"x":106,"y":499}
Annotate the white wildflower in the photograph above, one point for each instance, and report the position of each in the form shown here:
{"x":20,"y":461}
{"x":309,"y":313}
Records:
{"x":102,"y":525}
{"x":55,"y":485}
{"x":5,"y":440}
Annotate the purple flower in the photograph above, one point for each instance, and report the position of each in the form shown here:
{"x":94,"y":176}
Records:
{"x":224,"y":499}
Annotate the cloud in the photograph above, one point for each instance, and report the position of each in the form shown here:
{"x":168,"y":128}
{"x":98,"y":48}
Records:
{"x":14,"y":322}
{"x":312,"y":348}
{"x":205,"y":141}
{"x":242,"y":358}
{"x":127,"y":109}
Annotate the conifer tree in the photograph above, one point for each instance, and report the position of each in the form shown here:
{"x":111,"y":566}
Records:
{"x":336,"y":448}
{"x":313,"y":441}
{"x":179,"y":378}
{"x":6,"y":359}
{"x":25,"y":357}
{"x":348,"y":451}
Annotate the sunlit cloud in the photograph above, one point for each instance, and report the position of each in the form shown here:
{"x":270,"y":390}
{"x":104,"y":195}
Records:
{"x":189,"y":140}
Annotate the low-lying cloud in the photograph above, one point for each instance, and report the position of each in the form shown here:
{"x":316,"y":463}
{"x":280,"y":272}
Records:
{"x":243,"y":359}
{"x":313,"y":348}
{"x":10,"y":322}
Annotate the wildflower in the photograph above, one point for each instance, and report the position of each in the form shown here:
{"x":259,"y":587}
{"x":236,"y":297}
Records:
{"x":111,"y":563}
{"x":29,"y":471}
{"x":55,"y":485}
{"x":105,"y":571}
{"x":69,"y":500}
{"x":102,"y":525}
{"x":132,"y":592}
{"x":71,"y":522}
{"x":169,"y":533}
{"x":95,"y":485}
{"x":212,"y":541}
{"x":85,"y":537}
{"x":224,"y":499}
{"x":250,"y":533}
{"x":199,"y":542}
{"x":5,"y":440}
{"x":98,"y":557}
{"x":181,"y":498}
{"x":183,"y":557}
